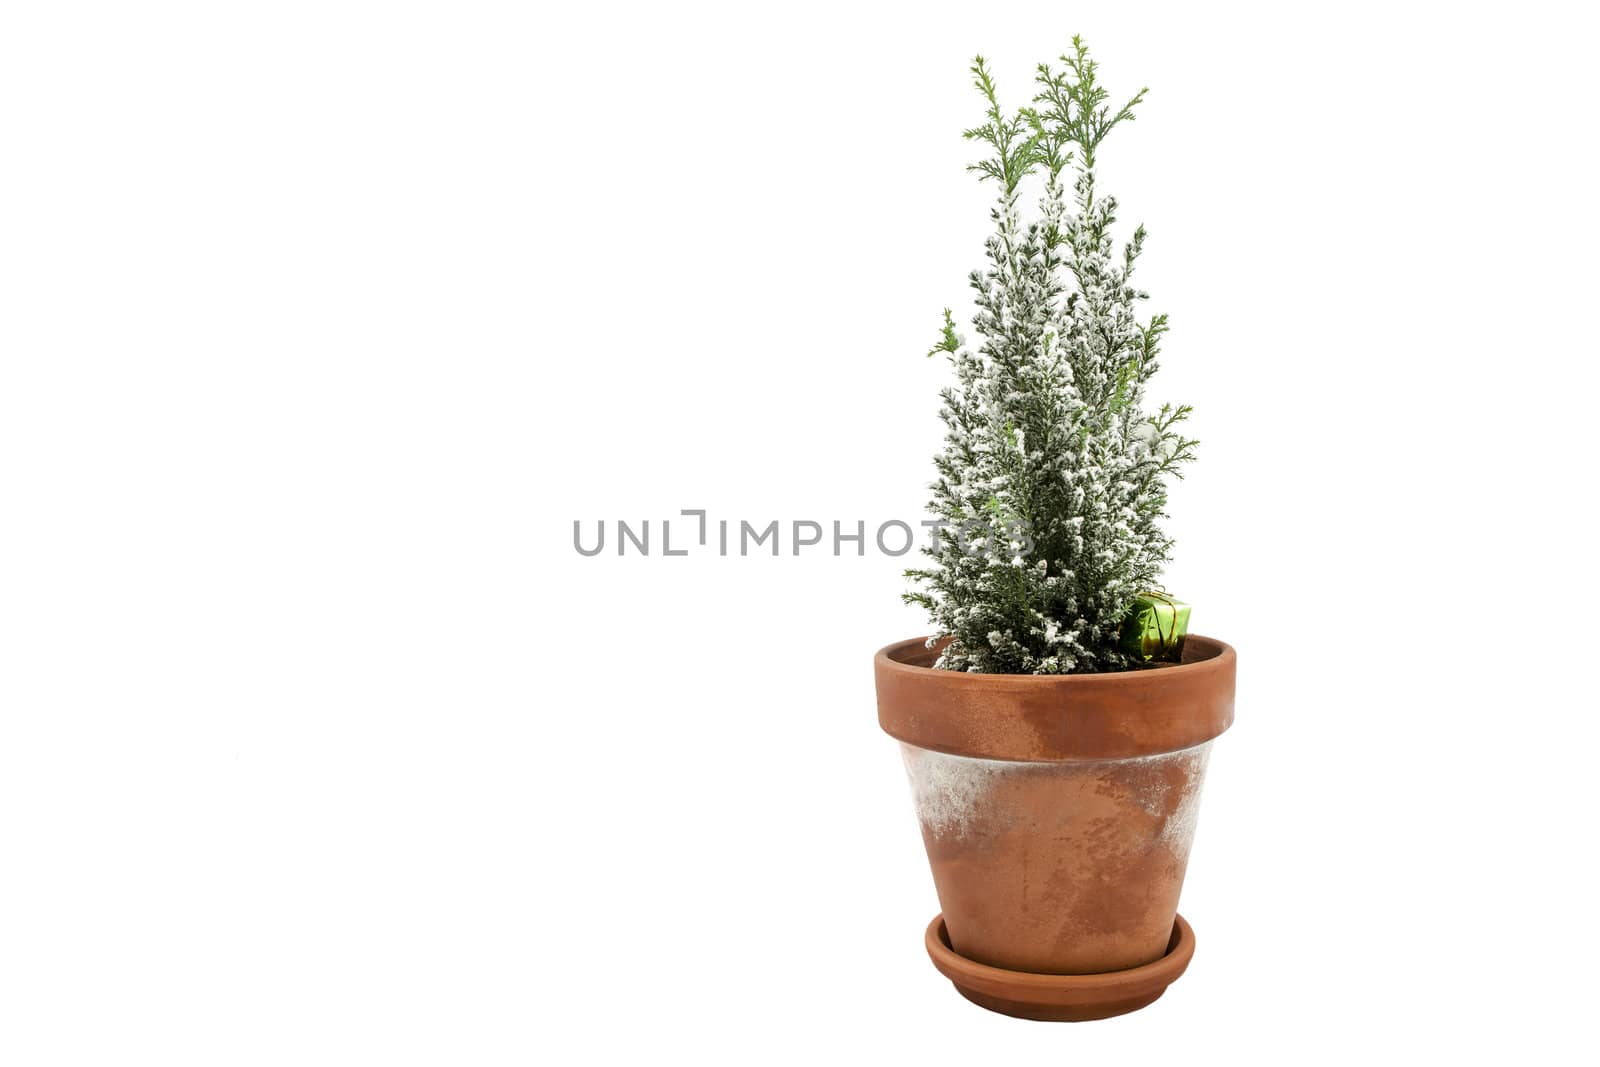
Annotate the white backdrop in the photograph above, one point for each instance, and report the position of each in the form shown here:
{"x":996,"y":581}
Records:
{"x":323,"y":322}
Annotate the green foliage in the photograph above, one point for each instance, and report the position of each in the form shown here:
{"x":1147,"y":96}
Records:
{"x":1051,"y":473}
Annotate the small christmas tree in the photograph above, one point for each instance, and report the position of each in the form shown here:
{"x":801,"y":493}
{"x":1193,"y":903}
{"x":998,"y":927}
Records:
{"x":1052,"y":478}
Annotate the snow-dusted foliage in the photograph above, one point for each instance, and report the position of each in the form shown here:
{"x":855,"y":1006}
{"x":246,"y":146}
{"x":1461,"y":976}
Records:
{"x":1051,"y":481}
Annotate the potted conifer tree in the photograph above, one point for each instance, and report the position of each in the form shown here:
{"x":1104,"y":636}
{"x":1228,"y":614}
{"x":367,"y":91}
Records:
{"x":1056,"y":725}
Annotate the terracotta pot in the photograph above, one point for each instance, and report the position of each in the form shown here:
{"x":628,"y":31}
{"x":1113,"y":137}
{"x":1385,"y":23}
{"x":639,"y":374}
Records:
{"x":1057,"y":812}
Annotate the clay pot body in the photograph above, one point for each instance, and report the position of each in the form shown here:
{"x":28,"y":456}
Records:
{"x":1057,"y":811}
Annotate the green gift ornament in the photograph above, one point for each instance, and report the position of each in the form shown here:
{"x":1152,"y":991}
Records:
{"x":1155,"y":628}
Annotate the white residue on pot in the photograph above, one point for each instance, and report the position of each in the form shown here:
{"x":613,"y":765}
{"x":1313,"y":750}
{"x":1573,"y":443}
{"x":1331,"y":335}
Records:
{"x":948,"y":789}
{"x":1150,"y":793}
{"x":1152,"y":790}
{"x":1178,"y":833}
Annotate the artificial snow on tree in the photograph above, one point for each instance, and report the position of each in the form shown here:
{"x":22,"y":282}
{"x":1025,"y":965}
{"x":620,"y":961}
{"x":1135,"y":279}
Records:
{"x":1051,"y":483}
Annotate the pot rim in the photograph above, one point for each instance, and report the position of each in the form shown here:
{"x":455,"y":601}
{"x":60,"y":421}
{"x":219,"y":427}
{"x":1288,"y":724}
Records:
{"x":1056,"y":717}
{"x":1215,"y":654}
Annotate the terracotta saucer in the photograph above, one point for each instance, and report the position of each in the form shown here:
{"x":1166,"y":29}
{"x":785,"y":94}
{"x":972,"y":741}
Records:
{"x":1061,"y":997}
